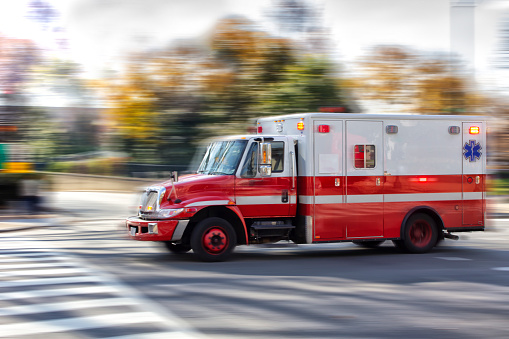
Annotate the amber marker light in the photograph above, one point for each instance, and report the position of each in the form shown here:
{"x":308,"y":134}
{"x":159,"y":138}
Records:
{"x":300,"y":125}
{"x":474,"y":130}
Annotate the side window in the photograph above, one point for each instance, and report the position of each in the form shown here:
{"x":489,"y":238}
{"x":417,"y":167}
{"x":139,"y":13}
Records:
{"x":364,"y":156}
{"x":278,"y":156}
{"x":249,"y":169}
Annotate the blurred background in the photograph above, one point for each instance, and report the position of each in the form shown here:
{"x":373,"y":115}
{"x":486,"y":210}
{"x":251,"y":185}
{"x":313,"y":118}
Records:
{"x":131,"y":88}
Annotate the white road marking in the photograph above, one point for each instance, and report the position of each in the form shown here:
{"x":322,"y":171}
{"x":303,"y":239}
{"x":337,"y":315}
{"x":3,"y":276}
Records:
{"x":38,"y":265}
{"x":76,"y":324}
{"x":21,"y":257}
{"x":55,"y":271}
{"x":57,"y":292}
{"x":28,"y":259}
{"x":500,"y":268}
{"x":453,"y":258}
{"x":65,"y":306}
{"x":43,"y":255}
{"x":50,"y":281}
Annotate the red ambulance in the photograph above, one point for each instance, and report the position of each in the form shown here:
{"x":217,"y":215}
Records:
{"x":326,"y":177}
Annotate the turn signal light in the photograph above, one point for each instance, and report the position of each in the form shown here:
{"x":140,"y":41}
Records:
{"x":474,"y":130}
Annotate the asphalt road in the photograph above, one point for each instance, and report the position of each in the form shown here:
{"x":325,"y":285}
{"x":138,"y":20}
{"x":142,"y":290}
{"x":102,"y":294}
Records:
{"x":459,"y":290}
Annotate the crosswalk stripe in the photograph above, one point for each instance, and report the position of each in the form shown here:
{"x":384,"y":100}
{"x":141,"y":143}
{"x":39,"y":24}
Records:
{"x":30,"y":254}
{"x":38,"y":265}
{"x":65,"y":306}
{"x":29,"y":259}
{"x":78,"y":323}
{"x":56,"y":271}
{"x":57,"y":292}
{"x":28,"y":263}
{"x":50,"y":281}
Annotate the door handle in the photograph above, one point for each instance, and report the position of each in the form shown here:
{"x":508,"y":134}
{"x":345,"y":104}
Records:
{"x":284,"y":196}
{"x":378,"y":181}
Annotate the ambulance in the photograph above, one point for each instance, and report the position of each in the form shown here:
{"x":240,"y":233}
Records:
{"x":325,"y":177}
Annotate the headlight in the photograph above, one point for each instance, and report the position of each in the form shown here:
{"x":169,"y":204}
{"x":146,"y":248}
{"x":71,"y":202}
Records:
{"x":169,"y":213}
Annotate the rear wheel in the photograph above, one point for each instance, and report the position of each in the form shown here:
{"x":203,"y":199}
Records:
{"x":369,"y":243}
{"x":213,"y":239}
{"x":177,"y":248}
{"x":420,"y":233}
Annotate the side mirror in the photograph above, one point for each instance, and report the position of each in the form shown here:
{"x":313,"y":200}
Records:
{"x":265,"y":158}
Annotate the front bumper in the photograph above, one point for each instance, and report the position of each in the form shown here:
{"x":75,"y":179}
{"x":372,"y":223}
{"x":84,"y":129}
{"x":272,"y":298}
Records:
{"x":155,"y":230}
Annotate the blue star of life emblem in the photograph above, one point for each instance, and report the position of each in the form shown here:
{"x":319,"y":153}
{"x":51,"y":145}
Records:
{"x":472,"y":150}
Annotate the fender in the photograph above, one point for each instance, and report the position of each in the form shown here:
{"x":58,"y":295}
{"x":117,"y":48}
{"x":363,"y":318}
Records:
{"x":236,"y":210}
{"x":207,"y":201}
{"x":412,"y":211}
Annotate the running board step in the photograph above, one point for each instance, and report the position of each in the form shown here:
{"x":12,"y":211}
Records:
{"x":272,"y":227}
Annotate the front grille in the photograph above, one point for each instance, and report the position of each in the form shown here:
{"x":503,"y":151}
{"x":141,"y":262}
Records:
{"x":150,"y":202}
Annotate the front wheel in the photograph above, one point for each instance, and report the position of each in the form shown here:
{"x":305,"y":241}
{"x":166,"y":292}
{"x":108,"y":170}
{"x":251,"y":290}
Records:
{"x":213,"y":239}
{"x":420,"y":233}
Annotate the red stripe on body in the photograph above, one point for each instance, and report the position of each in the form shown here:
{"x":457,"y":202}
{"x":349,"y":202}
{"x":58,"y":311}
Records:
{"x":394,"y":184}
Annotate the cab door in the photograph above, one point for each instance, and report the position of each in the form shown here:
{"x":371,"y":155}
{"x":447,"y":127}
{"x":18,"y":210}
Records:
{"x":273,"y":196}
{"x":473,"y":173}
{"x":364,"y":179}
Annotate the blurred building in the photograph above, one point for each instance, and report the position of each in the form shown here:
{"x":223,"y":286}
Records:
{"x":462,"y":30}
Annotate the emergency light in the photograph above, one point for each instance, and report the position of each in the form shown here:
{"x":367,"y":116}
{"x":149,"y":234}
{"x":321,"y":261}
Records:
{"x":474,"y":130}
{"x":323,"y":128}
{"x":300,"y":125}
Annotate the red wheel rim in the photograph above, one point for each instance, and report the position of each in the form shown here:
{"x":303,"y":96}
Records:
{"x":215,"y":240}
{"x":420,"y":233}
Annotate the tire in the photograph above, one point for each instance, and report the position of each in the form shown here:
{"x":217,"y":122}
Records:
{"x":177,"y":248}
{"x":420,"y":234}
{"x":213,"y":239}
{"x":369,"y":243}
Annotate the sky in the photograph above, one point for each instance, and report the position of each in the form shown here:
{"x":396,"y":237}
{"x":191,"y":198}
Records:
{"x":101,"y":31}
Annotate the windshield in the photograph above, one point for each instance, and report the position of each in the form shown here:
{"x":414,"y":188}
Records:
{"x":222,"y":157}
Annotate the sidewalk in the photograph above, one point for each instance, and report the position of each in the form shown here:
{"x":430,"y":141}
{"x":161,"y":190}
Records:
{"x":10,"y":222}
{"x":17,"y":217}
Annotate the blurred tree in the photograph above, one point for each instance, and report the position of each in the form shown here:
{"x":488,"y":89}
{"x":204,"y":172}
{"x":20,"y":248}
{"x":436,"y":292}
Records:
{"x":294,"y":16}
{"x":168,"y":100}
{"x":308,"y":84}
{"x":17,"y":56}
{"x":415,"y":83}
{"x":62,"y":117}
{"x":252,"y":60}
{"x":301,"y":21}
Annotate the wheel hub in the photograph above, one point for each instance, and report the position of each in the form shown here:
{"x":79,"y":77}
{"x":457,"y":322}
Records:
{"x":215,"y":240}
{"x":420,"y":233}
